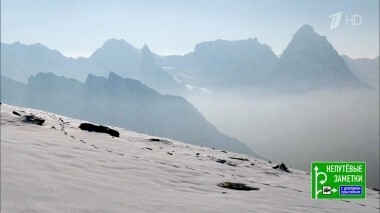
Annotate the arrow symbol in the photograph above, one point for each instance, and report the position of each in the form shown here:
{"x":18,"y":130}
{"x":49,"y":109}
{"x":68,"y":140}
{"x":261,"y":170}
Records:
{"x":334,"y":190}
{"x":325,"y":177}
{"x":316,"y":180}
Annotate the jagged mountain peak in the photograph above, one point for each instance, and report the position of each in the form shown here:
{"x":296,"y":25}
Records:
{"x":113,"y":75}
{"x":306,"y":34}
{"x":147,"y":58}
{"x":95,"y":80}
{"x":119,"y":83}
{"x":306,"y":29}
{"x":310,"y":62}
{"x":145,"y":52}
{"x":116,"y":42}
{"x":130,"y":85}
{"x":115,"y":48}
{"x":307,"y":40}
{"x":145,"y":48}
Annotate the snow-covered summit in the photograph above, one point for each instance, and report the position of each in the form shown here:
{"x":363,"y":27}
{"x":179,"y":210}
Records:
{"x":57,"y":167}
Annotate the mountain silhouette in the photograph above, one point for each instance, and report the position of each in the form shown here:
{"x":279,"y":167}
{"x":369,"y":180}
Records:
{"x":311,"y":62}
{"x":117,"y":56}
{"x":153,"y":75}
{"x":365,"y":69}
{"x":20,"y":61}
{"x":122,"y":102}
{"x":223,"y":64}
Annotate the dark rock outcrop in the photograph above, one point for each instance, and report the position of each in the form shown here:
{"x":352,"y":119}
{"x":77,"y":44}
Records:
{"x":237,"y":186}
{"x":221,"y":161}
{"x":242,"y":159}
{"x":282,"y":167}
{"x":33,"y":119}
{"x":160,"y":140}
{"x":16,"y":113}
{"x":102,"y":129}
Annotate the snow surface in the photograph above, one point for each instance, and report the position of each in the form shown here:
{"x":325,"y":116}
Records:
{"x":69,"y":170}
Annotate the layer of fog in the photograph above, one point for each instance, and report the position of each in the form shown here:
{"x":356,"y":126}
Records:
{"x":298,"y":129}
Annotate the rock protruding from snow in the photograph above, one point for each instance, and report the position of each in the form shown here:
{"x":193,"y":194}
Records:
{"x":237,"y":186}
{"x":96,"y":173}
{"x":34,"y":119}
{"x":282,"y":167}
{"x":16,"y":113}
{"x":102,"y":129}
{"x":30,"y":118}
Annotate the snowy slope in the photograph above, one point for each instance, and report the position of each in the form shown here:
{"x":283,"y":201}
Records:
{"x":65,"y":169}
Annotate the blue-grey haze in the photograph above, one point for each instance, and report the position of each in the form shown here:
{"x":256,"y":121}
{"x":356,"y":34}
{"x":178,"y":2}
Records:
{"x":78,"y":27}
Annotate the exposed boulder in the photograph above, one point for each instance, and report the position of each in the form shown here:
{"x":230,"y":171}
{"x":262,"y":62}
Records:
{"x":282,"y":167}
{"x":222,"y":161}
{"x":237,"y":186}
{"x":33,"y":119}
{"x":16,"y":113}
{"x":99,"y":128}
{"x":242,"y":159}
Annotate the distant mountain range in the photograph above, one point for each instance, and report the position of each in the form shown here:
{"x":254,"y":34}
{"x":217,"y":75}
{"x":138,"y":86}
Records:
{"x":20,"y":61}
{"x":101,"y":88}
{"x":223,"y":64}
{"x":119,"y":102}
{"x":309,"y":62}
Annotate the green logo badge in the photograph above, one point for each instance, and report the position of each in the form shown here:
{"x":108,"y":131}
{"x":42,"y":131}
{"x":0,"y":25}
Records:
{"x":338,"y":180}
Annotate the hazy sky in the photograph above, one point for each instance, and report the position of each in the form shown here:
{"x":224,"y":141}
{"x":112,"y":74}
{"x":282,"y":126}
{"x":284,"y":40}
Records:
{"x":78,"y":27}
